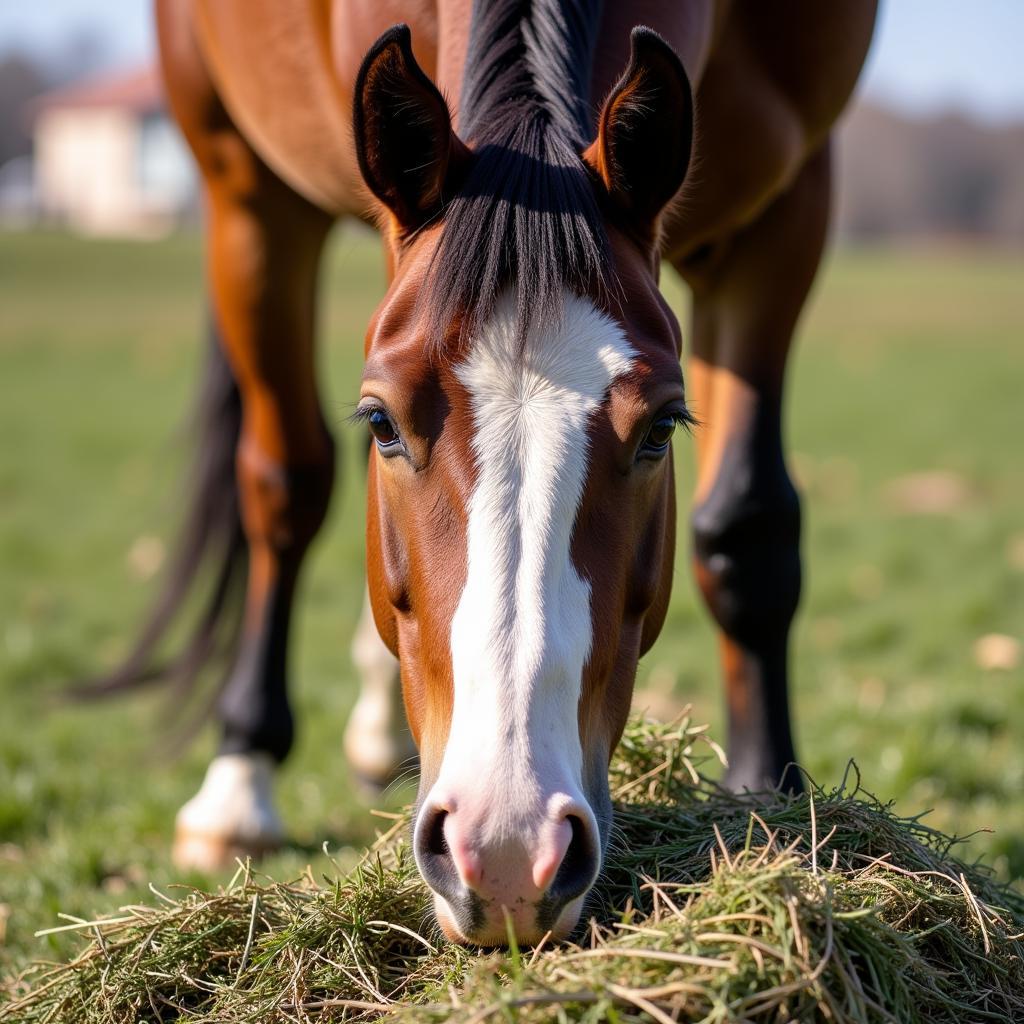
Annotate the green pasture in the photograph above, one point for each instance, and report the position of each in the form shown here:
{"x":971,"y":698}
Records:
{"x":906,"y":421}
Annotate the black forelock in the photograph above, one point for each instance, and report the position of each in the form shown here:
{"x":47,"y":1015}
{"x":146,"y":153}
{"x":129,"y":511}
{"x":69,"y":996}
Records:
{"x":526,"y":212}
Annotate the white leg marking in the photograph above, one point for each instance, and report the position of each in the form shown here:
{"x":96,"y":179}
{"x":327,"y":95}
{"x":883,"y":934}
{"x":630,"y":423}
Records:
{"x":522,"y":631}
{"x":377,"y":738}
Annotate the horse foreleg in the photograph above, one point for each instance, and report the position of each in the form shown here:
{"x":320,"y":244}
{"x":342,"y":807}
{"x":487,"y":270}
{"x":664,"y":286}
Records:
{"x":264,"y":243}
{"x":746,"y":517}
{"x":263,"y":268}
{"x":378,"y":742}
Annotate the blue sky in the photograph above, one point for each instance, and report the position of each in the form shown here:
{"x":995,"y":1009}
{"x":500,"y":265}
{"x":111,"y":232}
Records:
{"x":928,"y":54}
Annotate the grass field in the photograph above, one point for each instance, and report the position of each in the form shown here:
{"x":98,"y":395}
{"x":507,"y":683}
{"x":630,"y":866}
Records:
{"x":905,"y":420}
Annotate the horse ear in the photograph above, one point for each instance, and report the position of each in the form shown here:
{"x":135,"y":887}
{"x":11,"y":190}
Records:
{"x":405,"y":145}
{"x":645,"y":132}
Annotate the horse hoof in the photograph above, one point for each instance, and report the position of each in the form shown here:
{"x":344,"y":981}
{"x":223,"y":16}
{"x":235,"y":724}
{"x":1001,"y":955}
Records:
{"x":205,"y":851}
{"x":751,"y":779}
{"x":231,"y":817}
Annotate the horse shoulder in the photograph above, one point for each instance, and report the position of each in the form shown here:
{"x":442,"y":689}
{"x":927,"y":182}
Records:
{"x":766,"y":103}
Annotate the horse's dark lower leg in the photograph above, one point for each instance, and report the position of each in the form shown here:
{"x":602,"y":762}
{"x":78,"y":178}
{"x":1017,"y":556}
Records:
{"x":233,"y":813}
{"x":746,"y":519}
{"x":282,"y":509}
{"x":746,"y":537}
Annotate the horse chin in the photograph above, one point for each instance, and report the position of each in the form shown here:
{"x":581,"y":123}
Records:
{"x":497,"y":935}
{"x":567,"y":920}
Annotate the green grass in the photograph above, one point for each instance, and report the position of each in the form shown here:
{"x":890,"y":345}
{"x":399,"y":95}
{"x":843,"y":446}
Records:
{"x":907,"y":363}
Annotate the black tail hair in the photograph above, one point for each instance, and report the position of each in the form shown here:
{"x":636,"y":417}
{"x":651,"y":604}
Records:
{"x":210,"y":554}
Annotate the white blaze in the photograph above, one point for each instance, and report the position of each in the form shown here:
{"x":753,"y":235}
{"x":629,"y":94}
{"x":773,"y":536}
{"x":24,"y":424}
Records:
{"x":522,"y":631}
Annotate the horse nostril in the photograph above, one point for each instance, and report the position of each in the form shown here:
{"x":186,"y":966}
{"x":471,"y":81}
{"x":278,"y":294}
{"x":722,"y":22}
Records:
{"x":433,"y":856}
{"x":434,"y":840}
{"x":579,"y":866}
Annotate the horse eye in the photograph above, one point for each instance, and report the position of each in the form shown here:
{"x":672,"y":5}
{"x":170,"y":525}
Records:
{"x":659,"y":434}
{"x":382,"y":428}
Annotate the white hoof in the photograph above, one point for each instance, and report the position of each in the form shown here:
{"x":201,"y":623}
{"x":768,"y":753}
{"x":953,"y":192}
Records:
{"x":231,"y":816}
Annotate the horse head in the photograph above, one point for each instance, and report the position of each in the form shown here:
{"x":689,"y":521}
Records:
{"x":521,"y":385}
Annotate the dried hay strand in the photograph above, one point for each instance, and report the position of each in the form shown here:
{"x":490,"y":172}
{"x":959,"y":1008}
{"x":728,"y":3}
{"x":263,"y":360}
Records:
{"x":713,"y":907}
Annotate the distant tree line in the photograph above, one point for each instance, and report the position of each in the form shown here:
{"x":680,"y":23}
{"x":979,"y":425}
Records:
{"x":947,"y":177}
{"x":24,"y":76}
{"x":21,"y":80}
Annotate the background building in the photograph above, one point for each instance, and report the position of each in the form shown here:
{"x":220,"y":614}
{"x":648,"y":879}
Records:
{"x":107,"y":158}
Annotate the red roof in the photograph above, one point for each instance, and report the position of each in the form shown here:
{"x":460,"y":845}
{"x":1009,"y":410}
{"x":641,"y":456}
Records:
{"x":139,"y":91}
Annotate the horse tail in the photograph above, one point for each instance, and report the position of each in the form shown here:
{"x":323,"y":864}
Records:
{"x":208,"y":563}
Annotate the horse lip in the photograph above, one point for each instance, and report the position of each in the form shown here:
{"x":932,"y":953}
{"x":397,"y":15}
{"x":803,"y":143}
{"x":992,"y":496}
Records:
{"x":466,"y":923}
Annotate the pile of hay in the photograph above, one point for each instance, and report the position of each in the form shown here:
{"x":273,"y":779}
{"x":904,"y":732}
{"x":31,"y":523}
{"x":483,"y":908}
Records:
{"x":713,"y":907}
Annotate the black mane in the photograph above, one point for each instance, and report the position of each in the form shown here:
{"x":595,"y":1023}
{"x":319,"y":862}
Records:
{"x":526,"y":212}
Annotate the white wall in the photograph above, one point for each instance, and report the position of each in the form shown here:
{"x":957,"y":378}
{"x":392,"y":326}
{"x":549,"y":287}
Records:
{"x":110,"y":171}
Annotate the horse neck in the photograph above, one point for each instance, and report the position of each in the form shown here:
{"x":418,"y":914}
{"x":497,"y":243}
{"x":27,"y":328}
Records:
{"x":454,"y":18}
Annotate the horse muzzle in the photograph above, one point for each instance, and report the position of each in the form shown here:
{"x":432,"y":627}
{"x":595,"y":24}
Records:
{"x":496,"y":873}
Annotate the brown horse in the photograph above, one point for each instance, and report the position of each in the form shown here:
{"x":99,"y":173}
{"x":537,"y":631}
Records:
{"x":521,"y":386}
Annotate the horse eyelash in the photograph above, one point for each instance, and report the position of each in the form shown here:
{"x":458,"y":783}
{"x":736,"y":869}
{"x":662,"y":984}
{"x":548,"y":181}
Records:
{"x":685,"y":419}
{"x":360,"y":415}
{"x":682,"y":416}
